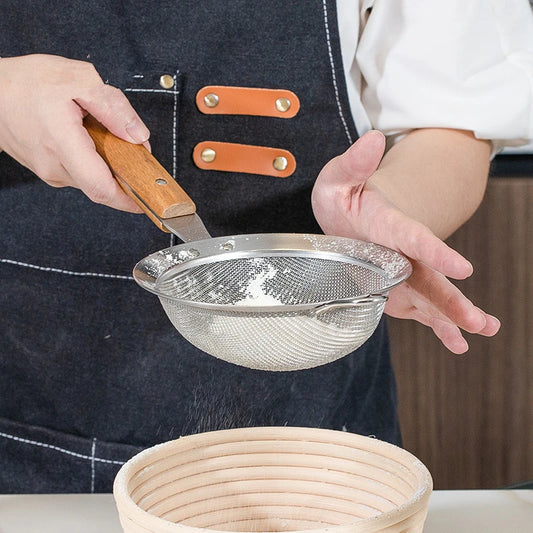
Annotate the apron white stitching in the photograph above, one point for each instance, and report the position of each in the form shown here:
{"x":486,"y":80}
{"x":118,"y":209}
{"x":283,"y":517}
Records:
{"x":332,"y":64}
{"x":174,"y":142}
{"x":174,"y":128}
{"x":58,"y":449}
{"x":174,"y":117}
{"x":166,"y":91}
{"x":93,"y":469}
{"x":174,"y":123}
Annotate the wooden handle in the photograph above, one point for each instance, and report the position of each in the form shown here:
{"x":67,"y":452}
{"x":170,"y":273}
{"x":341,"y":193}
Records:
{"x":140,"y":175}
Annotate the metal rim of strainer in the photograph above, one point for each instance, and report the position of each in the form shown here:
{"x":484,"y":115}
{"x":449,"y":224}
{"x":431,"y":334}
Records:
{"x":177,"y":260}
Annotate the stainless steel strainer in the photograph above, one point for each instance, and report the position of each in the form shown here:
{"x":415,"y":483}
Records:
{"x":274,"y":301}
{"x":266,"y":301}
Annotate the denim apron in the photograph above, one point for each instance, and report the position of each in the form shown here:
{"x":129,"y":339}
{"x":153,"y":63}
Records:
{"x":91,"y":370}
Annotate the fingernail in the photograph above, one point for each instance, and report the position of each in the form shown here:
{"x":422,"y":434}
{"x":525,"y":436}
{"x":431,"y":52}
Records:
{"x":137,"y":131}
{"x":461,"y":347}
{"x":497,"y":321}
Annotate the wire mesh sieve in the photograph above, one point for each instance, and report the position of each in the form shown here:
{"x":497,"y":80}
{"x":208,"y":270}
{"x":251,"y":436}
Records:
{"x":274,"y":301}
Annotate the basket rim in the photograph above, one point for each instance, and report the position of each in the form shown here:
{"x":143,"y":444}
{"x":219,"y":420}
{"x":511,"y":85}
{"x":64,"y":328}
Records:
{"x":129,"y":510}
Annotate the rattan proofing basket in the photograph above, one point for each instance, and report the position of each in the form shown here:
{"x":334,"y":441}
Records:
{"x":273,"y":479}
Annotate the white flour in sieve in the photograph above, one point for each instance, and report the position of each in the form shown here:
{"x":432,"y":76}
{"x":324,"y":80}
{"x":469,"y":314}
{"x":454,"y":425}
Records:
{"x":277,"y":340}
{"x":255,"y":291}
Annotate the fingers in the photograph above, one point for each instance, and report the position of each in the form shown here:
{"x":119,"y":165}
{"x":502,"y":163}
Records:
{"x":92,"y":175}
{"x":390,"y":227}
{"x":419,"y":243}
{"x":65,"y":156}
{"x":429,"y":298}
{"x":443,"y":296}
{"x":41,"y":123}
{"x":110,"y":106}
{"x":447,"y":332}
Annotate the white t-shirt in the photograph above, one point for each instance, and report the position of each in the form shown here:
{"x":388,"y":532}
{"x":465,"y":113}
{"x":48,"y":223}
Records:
{"x":465,"y":64}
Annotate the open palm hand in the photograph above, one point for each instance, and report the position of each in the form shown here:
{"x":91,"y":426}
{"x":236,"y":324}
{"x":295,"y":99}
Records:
{"x":346,"y":203}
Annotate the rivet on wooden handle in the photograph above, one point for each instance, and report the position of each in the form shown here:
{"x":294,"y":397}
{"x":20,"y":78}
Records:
{"x":140,"y":175}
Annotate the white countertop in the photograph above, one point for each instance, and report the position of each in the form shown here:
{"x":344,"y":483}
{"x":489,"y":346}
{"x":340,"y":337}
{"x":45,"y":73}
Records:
{"x":468,"y":511}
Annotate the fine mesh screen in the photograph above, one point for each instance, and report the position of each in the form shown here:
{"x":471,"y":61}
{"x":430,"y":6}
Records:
{"x":274,"y":301}
{"x":256,"y":281}
{"x":239,"y":332}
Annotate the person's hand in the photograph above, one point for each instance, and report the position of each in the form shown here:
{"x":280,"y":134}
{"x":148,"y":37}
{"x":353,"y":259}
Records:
{"x":43,"y":100}
{"x":347,"y":203}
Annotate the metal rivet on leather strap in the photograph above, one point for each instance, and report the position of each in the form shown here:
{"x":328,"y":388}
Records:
{"x":244,"y":158}
{"x":208,"y":155}
{"x":166,"y":81}
{"x":280,"y":163}
{"x":211,"y":100}
{"x":283,"y":104}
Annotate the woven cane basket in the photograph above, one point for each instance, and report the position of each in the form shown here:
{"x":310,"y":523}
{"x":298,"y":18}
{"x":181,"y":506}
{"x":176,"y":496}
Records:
{"x":273,"y":479}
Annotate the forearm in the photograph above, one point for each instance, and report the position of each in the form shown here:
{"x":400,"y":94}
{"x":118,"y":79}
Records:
{"x":436,"y":176}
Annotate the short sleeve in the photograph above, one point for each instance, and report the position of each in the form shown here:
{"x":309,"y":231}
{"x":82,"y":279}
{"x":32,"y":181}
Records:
{"x":451,"y":64}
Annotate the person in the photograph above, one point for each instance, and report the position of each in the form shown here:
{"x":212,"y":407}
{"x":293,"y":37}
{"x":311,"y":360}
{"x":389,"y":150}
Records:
{"x":91,"y":370}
